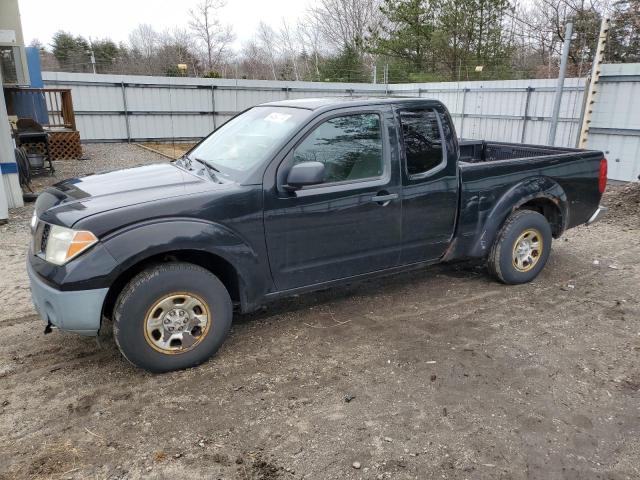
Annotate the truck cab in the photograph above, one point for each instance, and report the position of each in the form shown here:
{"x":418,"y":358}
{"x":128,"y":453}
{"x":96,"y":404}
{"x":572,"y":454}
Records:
{"x":368,"y":210}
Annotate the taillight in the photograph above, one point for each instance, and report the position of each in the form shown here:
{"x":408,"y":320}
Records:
{"x":602,"y":177}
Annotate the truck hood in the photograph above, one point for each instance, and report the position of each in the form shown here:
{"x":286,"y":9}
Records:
{"x":76,"y":198}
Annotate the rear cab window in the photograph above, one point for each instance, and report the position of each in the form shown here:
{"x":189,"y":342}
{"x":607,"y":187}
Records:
{"x":422,"y":139}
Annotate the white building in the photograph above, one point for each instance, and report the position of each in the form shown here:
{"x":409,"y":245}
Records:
{"x":13,"y":71}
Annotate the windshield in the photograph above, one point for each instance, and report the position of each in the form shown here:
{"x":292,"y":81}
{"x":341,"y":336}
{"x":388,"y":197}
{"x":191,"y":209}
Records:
{"x":246,"y":140}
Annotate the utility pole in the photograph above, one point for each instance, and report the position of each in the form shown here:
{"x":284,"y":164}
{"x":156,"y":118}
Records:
{"x":568,"y":32}
{"x":93,"y":61}
{"x":375,"y":73}
{"x":593,"y":83}
{"x":385,"y":78}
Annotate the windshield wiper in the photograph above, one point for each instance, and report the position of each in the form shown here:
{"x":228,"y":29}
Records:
{"x":186,"y":162}
{"x":211,"y":170}
{"x":204,"y":162}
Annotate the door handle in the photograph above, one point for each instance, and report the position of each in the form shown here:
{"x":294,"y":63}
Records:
{"x":384,"y":199}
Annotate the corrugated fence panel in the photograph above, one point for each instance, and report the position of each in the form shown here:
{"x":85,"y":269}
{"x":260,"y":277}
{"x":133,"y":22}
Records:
{"x":249,"y":98}
{"x":168,"y":99}
{"x":615,"y":124}
{"x":95,"y":97}
{"x":103,"y":127}
{"x":177,"y":126}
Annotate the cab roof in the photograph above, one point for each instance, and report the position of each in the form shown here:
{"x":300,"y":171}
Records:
{"x":335,"y":102}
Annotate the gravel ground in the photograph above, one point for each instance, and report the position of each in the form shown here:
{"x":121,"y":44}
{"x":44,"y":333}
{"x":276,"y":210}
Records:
{"x":99,"y":157}
{"x":441,"y":373}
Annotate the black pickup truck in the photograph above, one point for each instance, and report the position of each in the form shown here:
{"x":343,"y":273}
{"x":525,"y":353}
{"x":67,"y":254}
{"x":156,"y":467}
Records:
{"x":288,"y":197}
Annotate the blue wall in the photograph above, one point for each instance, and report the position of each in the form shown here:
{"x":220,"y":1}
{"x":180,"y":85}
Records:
{"x":30,"y":104}
{"x":35,"y":69}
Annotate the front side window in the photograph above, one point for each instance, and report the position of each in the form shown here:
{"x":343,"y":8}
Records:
{"x":350,"y":148}
{"x":422,"y":140}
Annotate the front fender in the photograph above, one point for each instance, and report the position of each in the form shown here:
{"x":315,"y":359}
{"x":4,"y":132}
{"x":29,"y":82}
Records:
{"x":139,"y":242}
{"x":519,"y":194}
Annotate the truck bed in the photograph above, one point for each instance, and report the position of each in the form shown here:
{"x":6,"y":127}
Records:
{"x":489,"y":171}
{"x":478,"y":151}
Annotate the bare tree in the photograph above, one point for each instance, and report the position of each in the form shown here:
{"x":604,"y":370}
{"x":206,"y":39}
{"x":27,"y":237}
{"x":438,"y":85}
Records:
{"x":36,"y":43}
{"x":542,"y":24}
{"x":290,"y":47}
{"x":214,"y":36}
{"x":144,"y":41}
{"x":268,"y":42}
{"x":345,"y":23}
{"x":311,"y":41}
{"x":254,"y":61}
{"x":178,"y":46}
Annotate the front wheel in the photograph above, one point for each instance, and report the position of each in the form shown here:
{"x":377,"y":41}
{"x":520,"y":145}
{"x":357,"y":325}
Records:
{"x":172,"y":316}
{"x":521,"y":249}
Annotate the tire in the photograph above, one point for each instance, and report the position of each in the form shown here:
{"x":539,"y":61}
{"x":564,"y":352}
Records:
{"x":142,"y":334}
{"x":522,"y":228}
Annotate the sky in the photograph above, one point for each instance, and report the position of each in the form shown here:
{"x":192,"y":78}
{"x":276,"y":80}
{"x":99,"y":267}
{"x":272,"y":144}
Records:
{"x":116,"y":18}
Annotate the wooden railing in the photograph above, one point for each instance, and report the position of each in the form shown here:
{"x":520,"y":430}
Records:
{"x":57,"y":101}
{"x":59,"y":107}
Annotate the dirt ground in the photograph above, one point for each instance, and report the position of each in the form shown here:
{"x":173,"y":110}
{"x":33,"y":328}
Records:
{"x":441,"y":373}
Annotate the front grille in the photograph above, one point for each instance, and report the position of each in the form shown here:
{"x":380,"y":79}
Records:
{"x":45,"y":237}
{"x":40,"y":237}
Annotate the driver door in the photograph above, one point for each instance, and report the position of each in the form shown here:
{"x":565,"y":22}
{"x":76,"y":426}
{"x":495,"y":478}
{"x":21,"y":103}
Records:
{"x":340,"y":227}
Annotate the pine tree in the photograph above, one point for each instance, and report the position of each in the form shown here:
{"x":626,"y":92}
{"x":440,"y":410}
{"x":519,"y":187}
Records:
{"x":624,"y":37}
{"x":444,"y":37}
{"x":106,"y":53}
{"x":71,"y":52}
{"x":347,"y":66}
{"x":407,"y":33}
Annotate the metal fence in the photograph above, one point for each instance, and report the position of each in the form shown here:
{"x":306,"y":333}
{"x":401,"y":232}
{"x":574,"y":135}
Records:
{"x":615,"y":123}
{"x":506,"y":110}
{"x":139,"y":108}
{"x":123,"y":107}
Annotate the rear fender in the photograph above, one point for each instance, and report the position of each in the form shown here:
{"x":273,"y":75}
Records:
{"x":518,"y":195}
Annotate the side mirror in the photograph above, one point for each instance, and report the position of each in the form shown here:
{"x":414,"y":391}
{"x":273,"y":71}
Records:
{"x":305,"y":173}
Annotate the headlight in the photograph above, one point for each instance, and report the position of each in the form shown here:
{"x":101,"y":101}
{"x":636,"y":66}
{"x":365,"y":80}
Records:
{"x":63,"y":244}
{"x":34,"y":221}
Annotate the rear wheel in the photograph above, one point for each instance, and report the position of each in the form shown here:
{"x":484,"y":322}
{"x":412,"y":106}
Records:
{"x":521,"y":249}
{"x":172,"y":316}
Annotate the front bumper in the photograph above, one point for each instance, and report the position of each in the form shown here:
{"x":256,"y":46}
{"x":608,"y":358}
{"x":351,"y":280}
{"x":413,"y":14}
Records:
{"x":77,"y":311}
{"x":598,"y":214}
